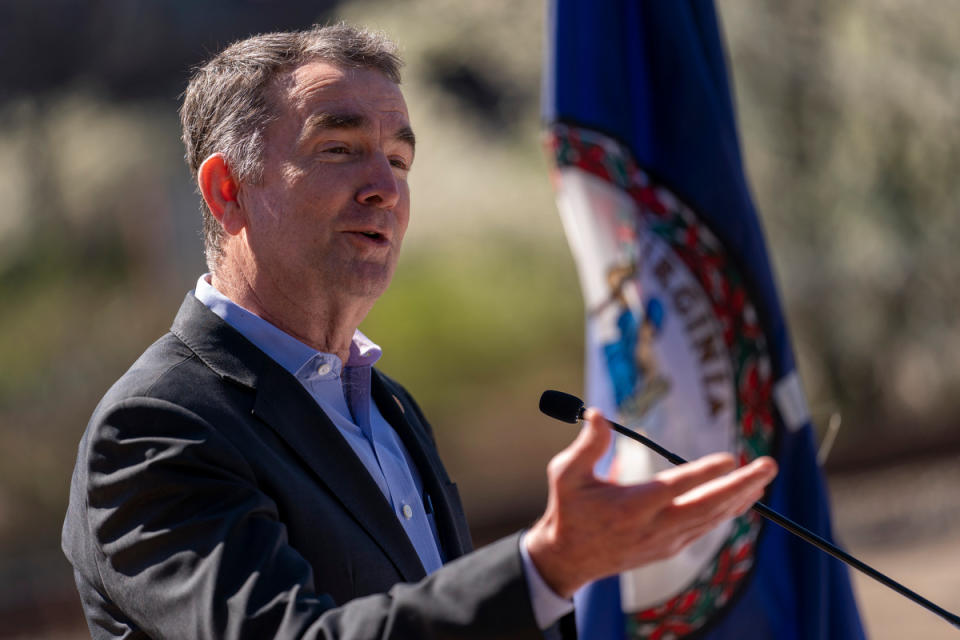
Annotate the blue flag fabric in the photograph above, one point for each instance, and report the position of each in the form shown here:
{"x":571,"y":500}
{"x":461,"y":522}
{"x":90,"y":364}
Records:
{"x":685,"y":335}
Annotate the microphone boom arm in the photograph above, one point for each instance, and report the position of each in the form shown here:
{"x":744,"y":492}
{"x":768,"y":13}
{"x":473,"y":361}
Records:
{"x":561,"y":406}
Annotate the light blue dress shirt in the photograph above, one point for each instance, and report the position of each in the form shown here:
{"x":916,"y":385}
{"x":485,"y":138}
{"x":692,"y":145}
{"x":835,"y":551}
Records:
{"x":343,"y":392}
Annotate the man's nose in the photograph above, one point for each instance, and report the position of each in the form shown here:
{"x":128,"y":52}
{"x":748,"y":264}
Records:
{"x":381,"y":189}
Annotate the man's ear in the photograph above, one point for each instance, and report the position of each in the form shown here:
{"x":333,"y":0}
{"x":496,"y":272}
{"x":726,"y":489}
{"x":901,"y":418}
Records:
{"x":219,"y":189}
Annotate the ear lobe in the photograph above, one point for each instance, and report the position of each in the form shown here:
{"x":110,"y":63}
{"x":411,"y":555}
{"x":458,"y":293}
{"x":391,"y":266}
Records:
{"x":219,"y":190}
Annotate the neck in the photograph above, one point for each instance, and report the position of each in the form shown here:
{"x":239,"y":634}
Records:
{"x":323,"y":322}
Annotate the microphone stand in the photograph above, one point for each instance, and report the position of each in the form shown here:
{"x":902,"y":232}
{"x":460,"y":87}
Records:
{"x":556,"y":404}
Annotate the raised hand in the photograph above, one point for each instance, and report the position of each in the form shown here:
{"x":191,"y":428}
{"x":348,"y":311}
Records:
{"x":593,"y":528}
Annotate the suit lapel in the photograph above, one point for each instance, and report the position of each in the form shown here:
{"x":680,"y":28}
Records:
{"x":283,"y":404}
{"x":448,"y":515}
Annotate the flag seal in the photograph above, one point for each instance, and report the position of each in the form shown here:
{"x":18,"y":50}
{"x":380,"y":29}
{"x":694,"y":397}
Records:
{"x":682,"y":354}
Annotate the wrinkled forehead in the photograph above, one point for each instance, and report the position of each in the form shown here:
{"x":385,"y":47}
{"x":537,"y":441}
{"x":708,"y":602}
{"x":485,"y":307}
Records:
{"x":318,"y":85}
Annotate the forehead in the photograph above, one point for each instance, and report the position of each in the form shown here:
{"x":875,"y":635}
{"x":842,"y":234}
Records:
{"x":319,"y":86}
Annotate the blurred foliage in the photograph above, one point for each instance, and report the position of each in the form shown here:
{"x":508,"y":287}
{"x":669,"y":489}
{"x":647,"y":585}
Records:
{"x":848,"y":113}
{"x":852,"y":139}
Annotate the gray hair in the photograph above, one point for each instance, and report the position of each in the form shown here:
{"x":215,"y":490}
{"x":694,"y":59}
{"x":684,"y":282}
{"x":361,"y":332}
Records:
{"x":226,"y":110}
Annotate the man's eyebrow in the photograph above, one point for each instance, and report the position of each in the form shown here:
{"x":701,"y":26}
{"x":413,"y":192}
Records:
{"x":405,"y":134}
{"x":326,"y":120}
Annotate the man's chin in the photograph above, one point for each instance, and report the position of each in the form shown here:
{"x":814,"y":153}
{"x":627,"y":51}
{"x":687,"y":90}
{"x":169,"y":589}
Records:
{"x":368,"y":280}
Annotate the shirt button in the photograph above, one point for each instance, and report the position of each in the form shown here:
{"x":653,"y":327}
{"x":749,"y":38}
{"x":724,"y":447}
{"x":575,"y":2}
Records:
{"x":407,"y":511}
{"x":324,"y":369}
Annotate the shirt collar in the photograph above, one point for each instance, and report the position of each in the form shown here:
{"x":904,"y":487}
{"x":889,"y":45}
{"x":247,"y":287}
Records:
{"x":287,"y":351}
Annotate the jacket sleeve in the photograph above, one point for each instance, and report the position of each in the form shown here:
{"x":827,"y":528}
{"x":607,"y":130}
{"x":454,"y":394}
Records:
{"x":186,"y":546}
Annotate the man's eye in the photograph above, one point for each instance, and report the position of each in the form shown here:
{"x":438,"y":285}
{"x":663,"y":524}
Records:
{"x":400,"y":163}
{"x":337,"y":150}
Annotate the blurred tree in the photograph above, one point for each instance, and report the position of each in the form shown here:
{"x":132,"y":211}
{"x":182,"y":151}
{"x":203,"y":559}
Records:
{"x":852,"y":137}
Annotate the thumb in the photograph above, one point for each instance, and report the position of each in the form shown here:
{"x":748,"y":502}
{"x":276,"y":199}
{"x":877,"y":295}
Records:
{"x":574,"y":465}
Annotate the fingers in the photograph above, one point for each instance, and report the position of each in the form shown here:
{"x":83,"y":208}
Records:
{"x":707,"y":505}
{"x":698,"y":511}
{"x":594,"y":439}
{"x":682,"y":479}
{"x":732,"y":487}
{"x":706,"y":523}
{"x":574,"y":465}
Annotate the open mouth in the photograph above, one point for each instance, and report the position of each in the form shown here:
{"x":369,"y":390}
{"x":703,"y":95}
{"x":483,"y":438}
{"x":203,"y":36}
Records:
{"x":374,"y":236}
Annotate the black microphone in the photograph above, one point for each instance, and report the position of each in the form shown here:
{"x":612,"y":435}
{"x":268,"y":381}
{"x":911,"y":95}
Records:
{"x":569,"y":408}
{"x":561,"y":406}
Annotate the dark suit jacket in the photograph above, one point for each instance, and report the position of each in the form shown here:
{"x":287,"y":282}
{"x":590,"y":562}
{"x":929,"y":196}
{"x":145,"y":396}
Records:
{"x":212,"y":498}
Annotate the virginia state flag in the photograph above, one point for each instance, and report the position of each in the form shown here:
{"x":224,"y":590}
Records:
{"x":685,"y":336}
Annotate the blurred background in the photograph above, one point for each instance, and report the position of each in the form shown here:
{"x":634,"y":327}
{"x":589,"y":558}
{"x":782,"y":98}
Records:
{"x":850,"y":120}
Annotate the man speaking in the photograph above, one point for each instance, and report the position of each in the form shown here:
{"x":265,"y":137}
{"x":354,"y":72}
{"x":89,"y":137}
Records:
{"x":253,"y":475}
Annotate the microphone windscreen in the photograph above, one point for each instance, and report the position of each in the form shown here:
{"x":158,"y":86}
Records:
{"x":561,"y":406}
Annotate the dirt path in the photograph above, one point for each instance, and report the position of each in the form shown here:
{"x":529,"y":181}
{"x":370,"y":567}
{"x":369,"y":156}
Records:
{"x":904,"y":521}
